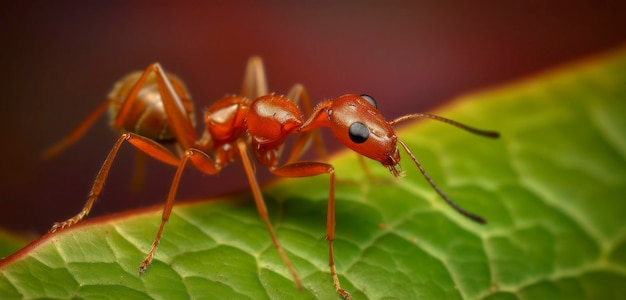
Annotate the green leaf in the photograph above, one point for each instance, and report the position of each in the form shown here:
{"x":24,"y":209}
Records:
{"x":552,"y":189}
{"x":10,"y":243}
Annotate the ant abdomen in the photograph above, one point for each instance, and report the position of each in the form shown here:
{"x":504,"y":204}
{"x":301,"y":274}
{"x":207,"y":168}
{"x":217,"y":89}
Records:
{"x":146,"y":116}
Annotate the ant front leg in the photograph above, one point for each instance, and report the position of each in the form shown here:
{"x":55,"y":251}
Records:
{"x":298,"y":92}
{"x":307,"y":169}
{"x":148,"y":146}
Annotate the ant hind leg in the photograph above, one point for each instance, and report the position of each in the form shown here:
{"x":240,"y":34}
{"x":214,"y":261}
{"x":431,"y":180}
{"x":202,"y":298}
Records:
{"x":148,"y":146}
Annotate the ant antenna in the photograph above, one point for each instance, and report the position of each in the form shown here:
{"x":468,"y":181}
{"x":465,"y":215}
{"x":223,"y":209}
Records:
{"x":456,"y":207}
{"x":485,"y":133}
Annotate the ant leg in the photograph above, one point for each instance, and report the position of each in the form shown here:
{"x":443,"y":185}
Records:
{"x":148,"y":146}
{"x":306,"y":169}
{"x":300,"y":145}
{"x":203,"y":163}
{"x":260,"y":204}
{"x":77,"y":133}
{"x":366,"y":169}
{"x":175,"y":111}
{"x":298,"y":92}
{"x":254,"y":80}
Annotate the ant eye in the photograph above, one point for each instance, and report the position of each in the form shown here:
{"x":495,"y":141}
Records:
{"x":358,"y":132}
{"x":369,"y":99}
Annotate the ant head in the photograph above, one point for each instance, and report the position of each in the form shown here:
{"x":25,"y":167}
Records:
{"x":357,"y":123}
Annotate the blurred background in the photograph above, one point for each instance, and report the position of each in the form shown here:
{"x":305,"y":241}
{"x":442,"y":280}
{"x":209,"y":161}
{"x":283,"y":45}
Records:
{"x":59,"y":59}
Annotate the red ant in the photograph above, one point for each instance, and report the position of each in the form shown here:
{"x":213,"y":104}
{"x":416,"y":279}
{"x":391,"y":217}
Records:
{"x":153,"y":108}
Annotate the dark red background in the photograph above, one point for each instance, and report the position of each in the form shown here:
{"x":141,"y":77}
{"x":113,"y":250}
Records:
{"x":60,"y":58}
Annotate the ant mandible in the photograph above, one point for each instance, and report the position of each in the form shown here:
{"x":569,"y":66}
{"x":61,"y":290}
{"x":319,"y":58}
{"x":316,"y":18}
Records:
{"x":153,"y":108}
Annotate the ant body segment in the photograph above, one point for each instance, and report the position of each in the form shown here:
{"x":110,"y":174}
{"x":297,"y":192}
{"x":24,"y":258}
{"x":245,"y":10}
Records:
{"x":152,"y":108}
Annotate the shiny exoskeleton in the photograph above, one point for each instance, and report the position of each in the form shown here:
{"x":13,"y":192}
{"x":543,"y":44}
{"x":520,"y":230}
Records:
{"x":153,"y":108}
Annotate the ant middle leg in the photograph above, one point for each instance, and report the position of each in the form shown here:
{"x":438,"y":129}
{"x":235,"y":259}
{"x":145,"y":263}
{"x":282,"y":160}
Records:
{"x":254,"y":80}
{"x":262,"y":209}
{"x":204,"y":164}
